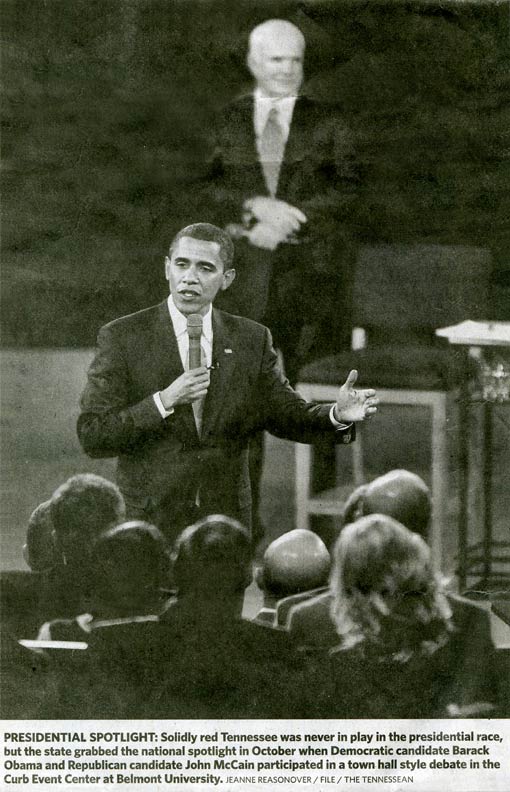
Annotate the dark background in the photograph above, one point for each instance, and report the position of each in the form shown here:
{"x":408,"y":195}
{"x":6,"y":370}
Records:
{"x":106,"y":112}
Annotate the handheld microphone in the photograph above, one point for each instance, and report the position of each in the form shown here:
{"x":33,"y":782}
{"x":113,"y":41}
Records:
{"x":194,"y":334}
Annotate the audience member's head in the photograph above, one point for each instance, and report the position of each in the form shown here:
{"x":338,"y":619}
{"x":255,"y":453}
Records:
{"x":39,"y":550}
{"x":212,"y":560}
{"x":383,"y":585}
{"x":80,"y":509}
{"x":130,"y":566}
{"x":399,"y":494}
{"x":296,"y":561}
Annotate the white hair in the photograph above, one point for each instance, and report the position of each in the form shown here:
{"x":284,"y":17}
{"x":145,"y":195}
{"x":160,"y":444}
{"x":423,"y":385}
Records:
{"x":273,"y":28}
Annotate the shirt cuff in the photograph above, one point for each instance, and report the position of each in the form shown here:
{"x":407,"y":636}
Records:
{"x":159,"y":404}
{"x":334,"y":421}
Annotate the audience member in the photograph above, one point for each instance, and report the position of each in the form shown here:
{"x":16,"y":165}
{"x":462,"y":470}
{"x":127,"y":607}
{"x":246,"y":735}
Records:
{"x":79,"y":510}
{"x":241,"y":669}
{"x":405,"y":650}
{"x":39,"y":550}
{"x":296,"y":562}
{"x":129,"y":566}
{"x":399,"y":494}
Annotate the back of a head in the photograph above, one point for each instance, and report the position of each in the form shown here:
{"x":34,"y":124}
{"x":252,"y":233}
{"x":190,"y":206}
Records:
{"x":212,"y":558}
{"x":81,"y":508}
{"x":402,"y":495}
{"x":385,"y":589}
{"x":130,"y":564}
{"x":296,"y":561}
{"x":39,"y":549}
{"x":377,"y":554}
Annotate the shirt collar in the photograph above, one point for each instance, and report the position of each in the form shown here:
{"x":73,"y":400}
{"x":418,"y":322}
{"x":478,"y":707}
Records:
{"x":180,"y":323}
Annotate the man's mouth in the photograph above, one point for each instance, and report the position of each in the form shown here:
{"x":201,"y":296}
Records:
{"x":188,"y":293}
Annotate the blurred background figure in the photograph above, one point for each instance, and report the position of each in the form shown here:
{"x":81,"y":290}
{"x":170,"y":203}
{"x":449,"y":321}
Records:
{"x":281,"y":175}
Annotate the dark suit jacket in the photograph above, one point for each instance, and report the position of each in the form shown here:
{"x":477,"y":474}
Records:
{"x":162,"y":463}
{"x":297,"y":284}
{"x":318,"y":172}
{"x":462,"y":672}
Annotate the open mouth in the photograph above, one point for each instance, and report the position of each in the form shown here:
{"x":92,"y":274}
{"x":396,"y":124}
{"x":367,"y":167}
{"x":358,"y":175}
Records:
{"x":188,"y":294}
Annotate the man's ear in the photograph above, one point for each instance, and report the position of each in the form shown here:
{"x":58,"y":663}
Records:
{"x":167,"y":268}
{"x":250,"y":63}
{"x":228,"y":276}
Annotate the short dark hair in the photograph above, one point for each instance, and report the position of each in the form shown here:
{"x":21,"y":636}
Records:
{"x":85,"y":505}
{"x":207,"y":232}
{"x":213,"y":554}
{"x":130,"y":562}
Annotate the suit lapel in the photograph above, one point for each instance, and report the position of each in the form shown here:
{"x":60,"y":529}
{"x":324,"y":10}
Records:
{"x":294,"y":149}
{"x":224,"y":360}
{"x":169,"y":365}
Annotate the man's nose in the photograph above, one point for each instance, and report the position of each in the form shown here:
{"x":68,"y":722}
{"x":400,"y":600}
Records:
{"x":190,"y":275}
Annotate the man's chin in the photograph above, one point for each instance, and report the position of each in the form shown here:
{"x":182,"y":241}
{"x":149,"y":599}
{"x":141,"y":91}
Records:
{"x":188,"y":306}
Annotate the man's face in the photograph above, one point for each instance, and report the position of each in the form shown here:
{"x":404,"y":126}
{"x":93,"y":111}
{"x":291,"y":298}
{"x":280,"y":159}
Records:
{"x":277,"y":65}
{"x":195,"y":274}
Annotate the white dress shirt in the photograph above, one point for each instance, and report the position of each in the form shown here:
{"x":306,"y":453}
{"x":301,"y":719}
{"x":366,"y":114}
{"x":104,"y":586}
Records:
{"x":180,"y":325}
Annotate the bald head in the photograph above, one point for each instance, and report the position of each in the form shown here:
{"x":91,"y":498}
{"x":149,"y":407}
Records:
{"x":275,"y":57}
{"x":399,"y":494}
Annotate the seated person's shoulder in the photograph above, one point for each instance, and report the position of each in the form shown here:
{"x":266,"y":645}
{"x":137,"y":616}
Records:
{"x":288,"y":604}
{"x":466,"y":613}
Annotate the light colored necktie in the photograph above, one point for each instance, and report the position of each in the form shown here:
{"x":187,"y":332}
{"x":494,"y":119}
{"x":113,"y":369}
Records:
{"x":198,"y":406}
{"x":272,"y":147}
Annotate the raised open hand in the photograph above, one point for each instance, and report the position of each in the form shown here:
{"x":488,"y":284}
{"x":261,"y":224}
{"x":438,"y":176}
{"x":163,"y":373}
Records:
{"x":355,"y":405}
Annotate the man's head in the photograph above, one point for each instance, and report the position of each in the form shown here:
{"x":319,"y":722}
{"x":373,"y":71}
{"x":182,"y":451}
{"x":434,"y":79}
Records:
{"x":198,"y":266}
{"x":296,"y":561}
{"x":39,"y":550}
{"x":212,"y":559}
{"x":399,"y":494}
{"x":80,"y":509}
{"x":129,"y":566}
{"x":275,"y":57}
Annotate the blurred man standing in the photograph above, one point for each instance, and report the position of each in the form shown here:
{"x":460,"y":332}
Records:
{"x":281,"y":181}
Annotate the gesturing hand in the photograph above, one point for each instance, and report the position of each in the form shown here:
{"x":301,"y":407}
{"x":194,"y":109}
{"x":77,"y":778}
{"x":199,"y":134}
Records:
{"x":187,"y":388}
{"x":354,"y":405}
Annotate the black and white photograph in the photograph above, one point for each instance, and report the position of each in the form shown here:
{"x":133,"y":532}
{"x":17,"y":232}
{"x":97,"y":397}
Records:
{"x":255,"y":389}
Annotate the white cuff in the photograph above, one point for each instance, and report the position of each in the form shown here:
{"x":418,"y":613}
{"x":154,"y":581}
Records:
{"x":159,"y":404}
{"x":334,"y":421}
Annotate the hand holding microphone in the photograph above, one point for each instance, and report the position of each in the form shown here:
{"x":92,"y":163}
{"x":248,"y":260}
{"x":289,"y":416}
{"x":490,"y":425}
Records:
{"x":194,"y":383}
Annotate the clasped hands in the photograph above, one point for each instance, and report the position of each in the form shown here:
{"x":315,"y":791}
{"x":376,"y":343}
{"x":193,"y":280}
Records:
{"x":276,"y":221}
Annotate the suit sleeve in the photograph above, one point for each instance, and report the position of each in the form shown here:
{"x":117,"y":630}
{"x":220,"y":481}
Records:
{"x":286,"y":414}
{"x":110,"y":423}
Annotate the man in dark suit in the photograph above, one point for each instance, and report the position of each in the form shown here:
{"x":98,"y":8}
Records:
{"x":181,"y":435}
{"x":281,"y":179}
